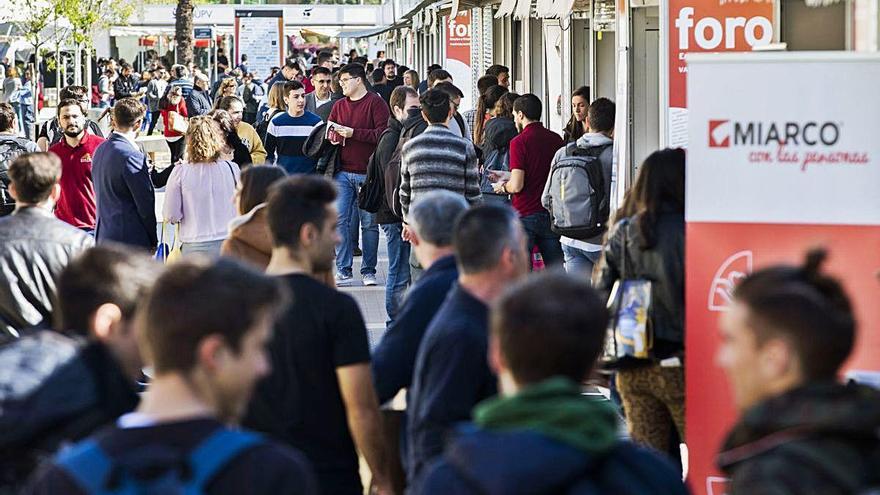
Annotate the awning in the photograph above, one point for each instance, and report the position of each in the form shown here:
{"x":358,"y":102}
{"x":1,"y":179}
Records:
{"x":369,"y":33}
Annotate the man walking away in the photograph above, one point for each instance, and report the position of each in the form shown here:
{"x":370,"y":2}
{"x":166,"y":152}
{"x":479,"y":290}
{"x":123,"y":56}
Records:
{"x":288,"y":132}
{"x":530,"y":155}
{"x":595,"y":147}
{"x":542,"y":435}
{"x":362,"y":117}
{"x":319,"y":397}
{"x":11,"y":147}
{"x":432,"y":220}
{"x":181,"y":79}
{"x":783,"y":342}
{"x":61,"y":385}
{"x":437,"y":158}
{"x":32,"y":237}
{"x":452,"y":374}
{"x":123,"y":191}
{"x":205,"y":362}
{"x":76,"y":205}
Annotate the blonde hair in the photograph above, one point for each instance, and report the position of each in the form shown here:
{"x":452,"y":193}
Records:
{"x":228,"y":82}
{"x":204,"y":140}
{"x":276,"y":97}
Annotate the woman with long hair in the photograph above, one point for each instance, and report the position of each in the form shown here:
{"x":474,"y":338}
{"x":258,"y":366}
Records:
{"x":227,"y":88}
{"x":200,"y":190}
{"x":236,"y":149}
{"x":411,"y":79}
{"x":649,"y":245}
{"x":577,"y":124}
{"x":249,"y":236}
{"x":274,"y":105}
{"x":485,"y":103}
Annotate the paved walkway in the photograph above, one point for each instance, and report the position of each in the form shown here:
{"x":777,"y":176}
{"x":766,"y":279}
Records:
{"x":371,"y":299}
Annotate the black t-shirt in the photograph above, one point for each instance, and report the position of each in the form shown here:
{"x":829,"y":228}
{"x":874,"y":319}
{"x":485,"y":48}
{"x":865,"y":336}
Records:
{"x":300,"y":402}
{"x":268,"y":468}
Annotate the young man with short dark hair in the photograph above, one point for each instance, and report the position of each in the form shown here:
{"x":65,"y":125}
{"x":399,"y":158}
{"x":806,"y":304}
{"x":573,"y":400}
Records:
{"x":33,"y":238}
{"x":322,"y":79}
{"x":361,"y":116}
{"x":500,"y":72}
{"x":531,"y":153}
{"x":541,"y":434}
{"x":76,"y":205}
{"x":389,"y":67}
{"x":319,"y":397}
{"x":437,"y":158}
{"x":62,"y":385}
{"x":124,"y":193}
{"x":582,"y":254}
{"x":451,"y":374}
{"x":288,"y":132}
{"x":205,"y":363}
{"x":127,"y":84}
{"x":801,"y":431}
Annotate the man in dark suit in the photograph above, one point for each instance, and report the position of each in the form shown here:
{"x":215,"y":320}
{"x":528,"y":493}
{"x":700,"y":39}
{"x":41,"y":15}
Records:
{"x":123,"y":191}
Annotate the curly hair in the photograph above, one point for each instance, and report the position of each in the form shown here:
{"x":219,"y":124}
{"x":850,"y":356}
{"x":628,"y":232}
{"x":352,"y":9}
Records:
{"x":204,"y":140}
{"x":228,"y":82}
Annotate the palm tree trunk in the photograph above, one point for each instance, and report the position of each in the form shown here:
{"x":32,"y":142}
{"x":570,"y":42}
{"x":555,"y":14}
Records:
{"x":183,"y":31}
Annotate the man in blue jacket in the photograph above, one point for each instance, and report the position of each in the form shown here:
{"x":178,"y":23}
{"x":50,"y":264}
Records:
{"x":432,"y":219}
{"x":542,"y":435}
{"x":124,"y":194}
{"x":451,"y":374}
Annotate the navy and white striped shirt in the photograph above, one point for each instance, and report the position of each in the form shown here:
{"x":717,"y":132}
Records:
{"x":284,"y":141}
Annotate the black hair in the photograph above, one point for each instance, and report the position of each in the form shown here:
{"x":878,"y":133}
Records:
{"x":530,"y":106}
{"x":435,"y":105}
{"x":600,"y":115}
{"x":297,"y":201}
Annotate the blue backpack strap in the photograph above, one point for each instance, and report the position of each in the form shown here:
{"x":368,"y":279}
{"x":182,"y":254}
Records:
{"x":87,"y":464}
{"x":215,"y":452}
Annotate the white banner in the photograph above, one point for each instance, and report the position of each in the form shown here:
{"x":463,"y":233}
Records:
{"x":794,"y":140}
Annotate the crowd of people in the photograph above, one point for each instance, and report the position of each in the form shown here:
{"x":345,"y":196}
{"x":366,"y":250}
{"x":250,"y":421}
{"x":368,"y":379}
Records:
{"x":239,"y":367}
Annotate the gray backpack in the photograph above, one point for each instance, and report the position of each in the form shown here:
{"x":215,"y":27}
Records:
{"x":578,"y":203}
{"x":10,"y":149}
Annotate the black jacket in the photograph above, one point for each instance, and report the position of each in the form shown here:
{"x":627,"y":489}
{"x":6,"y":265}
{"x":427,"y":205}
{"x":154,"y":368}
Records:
{"x":663,"y":265}
{"x":497,"y":134}
{"x":34,"y":249}
{"x":198,"y":103}
{"x":379,"y":160}
{"x":821,"y":438}
{"x":125,"y":86}
{"x":81,"y":394}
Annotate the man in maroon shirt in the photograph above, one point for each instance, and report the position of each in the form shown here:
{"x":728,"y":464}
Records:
{"x":76,"y":205}
{"x":530,"y":155}
{"x":359,"y":119}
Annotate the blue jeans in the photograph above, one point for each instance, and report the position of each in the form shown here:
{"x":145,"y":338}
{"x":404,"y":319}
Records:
{"x":580,"y":262}
{"x":398,"y":269}
{"x":537,"y":227}
{"x":347,"y":185}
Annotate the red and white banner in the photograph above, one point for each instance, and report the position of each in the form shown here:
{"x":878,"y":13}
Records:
{"x":458,"y":54}
{"x":769,"y":176}
{"x":708,"y":26}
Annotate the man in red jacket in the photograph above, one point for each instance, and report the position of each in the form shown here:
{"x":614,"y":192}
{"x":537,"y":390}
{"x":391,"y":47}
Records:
{"x":356,"y":122}
{"x":76,"y":205}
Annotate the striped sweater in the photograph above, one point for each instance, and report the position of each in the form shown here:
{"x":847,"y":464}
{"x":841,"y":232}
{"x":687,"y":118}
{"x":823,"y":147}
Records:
{"x":438,"y":159}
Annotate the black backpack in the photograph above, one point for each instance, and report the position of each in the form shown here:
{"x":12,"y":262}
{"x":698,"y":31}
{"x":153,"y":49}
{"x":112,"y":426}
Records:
{"x":371,"y":195}
{"x":10,"y":149}
{"x":263,"y":126}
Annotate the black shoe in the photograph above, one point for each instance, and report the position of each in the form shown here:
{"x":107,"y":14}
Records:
{"x":358,"y":252}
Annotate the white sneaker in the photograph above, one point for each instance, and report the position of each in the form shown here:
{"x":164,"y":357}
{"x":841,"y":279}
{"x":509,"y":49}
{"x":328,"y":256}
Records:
{"x":369,"y":280}
{"x":343,"y":279}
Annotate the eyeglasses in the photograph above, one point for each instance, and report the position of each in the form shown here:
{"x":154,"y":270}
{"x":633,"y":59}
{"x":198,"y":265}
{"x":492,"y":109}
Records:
{"x":347,"y":80}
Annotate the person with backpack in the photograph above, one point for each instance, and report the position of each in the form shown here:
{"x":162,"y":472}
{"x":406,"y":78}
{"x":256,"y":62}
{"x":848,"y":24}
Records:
{"x":496,"y":135}
{"x":62,"y":384}
{"x":578,"y":192}
{"x":205,"y":364}
{"x":531,"y":153}
{"x":541,"y":435}
{"x":403,"y":99}
{"x":11,"y":146}
{"x":801,"y":431}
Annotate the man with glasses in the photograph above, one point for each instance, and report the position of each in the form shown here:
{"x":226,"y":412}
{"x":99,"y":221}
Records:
{"x":321,"y":80}
{"x":359,"y":119}
{"x":51,"y":132}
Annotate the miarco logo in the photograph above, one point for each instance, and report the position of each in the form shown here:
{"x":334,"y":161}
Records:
{"x":710,"y":32}
{"x":724,"y":133}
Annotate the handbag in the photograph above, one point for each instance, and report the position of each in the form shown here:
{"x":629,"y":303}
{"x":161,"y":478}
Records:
{"x":629,"y":334}
{"x":179,"y":123}
{"x":175,"y":253}
{"x":162,"y":250}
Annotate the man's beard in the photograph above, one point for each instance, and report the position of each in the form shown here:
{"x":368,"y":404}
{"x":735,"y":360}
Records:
{"x":73,"y":134}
